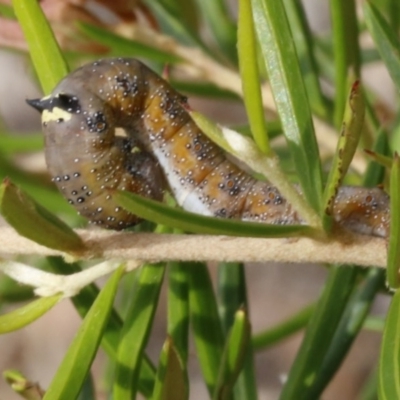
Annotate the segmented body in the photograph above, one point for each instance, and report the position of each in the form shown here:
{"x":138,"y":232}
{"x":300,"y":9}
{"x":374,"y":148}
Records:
{"x":115,"y":124}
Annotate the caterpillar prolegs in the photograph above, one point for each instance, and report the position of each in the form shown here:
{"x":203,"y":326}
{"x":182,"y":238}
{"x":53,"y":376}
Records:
{"x":115,"y":124}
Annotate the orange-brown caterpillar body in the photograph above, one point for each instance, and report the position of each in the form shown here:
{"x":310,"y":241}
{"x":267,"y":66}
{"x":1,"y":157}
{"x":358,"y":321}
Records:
{"x":115,"y":124}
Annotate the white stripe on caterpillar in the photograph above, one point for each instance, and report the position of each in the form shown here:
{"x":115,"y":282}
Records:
{"x":162,"y":147}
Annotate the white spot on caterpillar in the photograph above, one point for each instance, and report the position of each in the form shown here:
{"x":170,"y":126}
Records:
{"x":55,"y":114}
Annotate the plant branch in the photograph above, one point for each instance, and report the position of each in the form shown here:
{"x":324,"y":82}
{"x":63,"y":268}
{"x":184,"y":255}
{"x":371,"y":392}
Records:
{"x":343,"y":248}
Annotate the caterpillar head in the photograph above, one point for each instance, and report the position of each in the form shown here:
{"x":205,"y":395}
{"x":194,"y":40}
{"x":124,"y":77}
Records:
{"x":85,"y":158}
{"x":65,"y":114}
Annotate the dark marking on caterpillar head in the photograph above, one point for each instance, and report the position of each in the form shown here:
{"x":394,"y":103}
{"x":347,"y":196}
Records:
{"x":161,"y":147}
{"x":63,"y":101}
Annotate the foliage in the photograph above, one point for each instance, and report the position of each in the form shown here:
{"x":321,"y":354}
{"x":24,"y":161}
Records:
{"x":274,"y":44}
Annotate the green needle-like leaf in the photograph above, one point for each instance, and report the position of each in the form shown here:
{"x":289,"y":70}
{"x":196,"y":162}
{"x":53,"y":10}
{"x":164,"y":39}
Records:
{"x":385,"y":39}
{"x":25,"y":315}
{"x":175,"y":218}
{"x":88,"y":391}
{"x":389,"y":360}
{"x":178,"y":306}
{"x":172,"y":379}
{"x":233,"y":357}
{"x":135,"y":331}
{"x":207,"y":329}
{"x":306,"y":49}
{"x":375,"y":173}
{"x":174,"y":25}
{"x":217,"y":18}
{"x":319,"y":334}
{"x":33,"y":221}
{"x":352,"y":321}
{"x":122,"y":46}
{"x":233,"y":297}
{"x":394,"y":236}
{"x":21,"y":385}
{"x":281,"y":331}
{"x":380,"y":158}
{"x":346,"y":51}
{"x":247,"y":48}
{"x":83,"y":302}
{"x":46,"y":55}
{"x":72,"y":372}
{"x":290,"y":96}
{"x":347,"y":145}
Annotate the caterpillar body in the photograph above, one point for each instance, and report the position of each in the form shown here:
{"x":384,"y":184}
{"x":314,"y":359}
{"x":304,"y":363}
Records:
{"x":115,"y":124}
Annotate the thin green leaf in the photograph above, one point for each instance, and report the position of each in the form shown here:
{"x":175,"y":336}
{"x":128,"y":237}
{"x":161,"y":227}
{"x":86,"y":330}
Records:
{"x":46,"y":55}
{"x":21,"y":385}
{"x":25,"y":315}
{"x":135,"y":331}
{"x":72,"y":372}
{"x":175,"y":218}
{"x":233,"y":357}
{"x":247,"y":49}
{"x":208,"y":336}
{"x":83,"y":302}
{"x":203,"y":89}
{"x":174,"y":25}
{"x":385,"y":161}
{"x":88,"y":391}
{"x":320,"y":332}
{"x":122,"y":46}
{"x":394,"y":14}
{"x":212,"y":131}
{"x":216,"y":16}
{"x":33,"y":221}
{"x":274,"y":129}
{"x":305,"y":47}
{"x":281,"y":331}
{"x":35,"y":186}
{"x":385,"y":40}
{"x":375,"y":173}
{"x":389,"y":360}
{"x":290,"y":95}
{"x":347,"y":145}
{"x":346,"y":51}
{"x":246,"y":384}
{"x":323,"y":52}
{"x":350,"y":325}
{"x":178,"y":306}
{"x":393,"y":262}
{"x":232,"y":296}
{"x":172,"y":379}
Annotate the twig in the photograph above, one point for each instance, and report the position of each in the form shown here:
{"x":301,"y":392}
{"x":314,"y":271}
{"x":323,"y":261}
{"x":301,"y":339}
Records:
{"x":344,"y":248}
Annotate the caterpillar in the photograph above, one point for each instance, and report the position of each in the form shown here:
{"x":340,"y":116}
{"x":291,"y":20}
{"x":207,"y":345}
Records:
{"x":116,"y":124}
